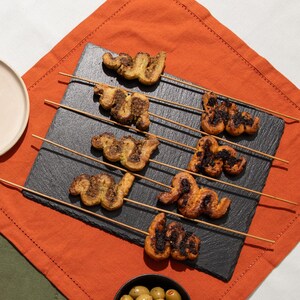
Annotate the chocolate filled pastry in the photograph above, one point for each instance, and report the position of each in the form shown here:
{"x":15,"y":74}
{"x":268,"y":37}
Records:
{"x":156,"y":244}
{"x":184,"y":244}
{"x":193,"y":201}
{"x":225,"y":116}
{"x":125,"y":108}
{"x":132,"y":153}
{"x":147,"y":69}
{"x":211,"y":159}
{"x":101,"y":189}
{"x":170,"y":240}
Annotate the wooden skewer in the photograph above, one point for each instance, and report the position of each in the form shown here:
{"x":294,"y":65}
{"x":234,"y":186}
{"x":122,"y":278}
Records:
{"x":131,"y":91}
{"x":116,"y":123}
{"x":231,"y":98}
{"x":99,"y":161}
{"x":218,"y":138}
{"x":186,"y":126}
{"x":223,"y":182}
{"x":199,"y":221}
{"x":166,"y":165}
{"x":136,"y":203}
{"x":73,"y":206}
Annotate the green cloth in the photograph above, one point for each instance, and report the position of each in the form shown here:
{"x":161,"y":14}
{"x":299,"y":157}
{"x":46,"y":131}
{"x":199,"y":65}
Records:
{"x":19,"y":280}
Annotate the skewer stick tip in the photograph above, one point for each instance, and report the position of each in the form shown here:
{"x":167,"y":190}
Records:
{"x":64,"y":74}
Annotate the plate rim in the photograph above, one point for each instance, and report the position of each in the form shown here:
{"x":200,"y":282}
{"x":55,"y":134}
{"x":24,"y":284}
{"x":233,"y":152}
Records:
{"x":23,"y":126}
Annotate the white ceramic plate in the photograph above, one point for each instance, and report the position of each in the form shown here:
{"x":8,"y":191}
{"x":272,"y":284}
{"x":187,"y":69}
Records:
{"x":14,"y":107}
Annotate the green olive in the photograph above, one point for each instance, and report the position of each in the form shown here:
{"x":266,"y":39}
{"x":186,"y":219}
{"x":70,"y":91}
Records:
{"x":144,"y":297}
{"x":157,"y":293}
{"x":138,"y":290}
{"x":172,"y":295}
{"x":126,"y":297}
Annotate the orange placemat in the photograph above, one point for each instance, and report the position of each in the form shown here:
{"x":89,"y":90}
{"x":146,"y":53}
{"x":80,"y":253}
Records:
{"x":84,"y":262}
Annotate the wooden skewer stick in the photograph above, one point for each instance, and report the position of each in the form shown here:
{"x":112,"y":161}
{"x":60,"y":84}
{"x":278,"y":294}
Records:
{"x":232,"y":98}
{"x":218,"y":138}
{"x":116,"y":123}
{"x":73,"y":206}
{"x":99,"y":161}
{"x":186,"y":126}
{"x":223,"y":182}
{"x":188,"y":106}
{"x":136,"y":203}
{"x":166,"y":165}
{"x":199,"y":221}
{"x":131,"y":91}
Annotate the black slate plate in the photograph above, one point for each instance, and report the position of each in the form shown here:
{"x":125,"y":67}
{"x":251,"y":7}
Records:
{"x":54,"y":169}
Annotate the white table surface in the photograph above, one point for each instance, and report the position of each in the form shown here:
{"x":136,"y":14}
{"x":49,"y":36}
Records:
{"x":30,"y":28}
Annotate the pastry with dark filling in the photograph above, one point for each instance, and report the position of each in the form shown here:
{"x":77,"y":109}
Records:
{"x":101,"y":189}
{"x":147,"y":69}
{"x":132,"y":153}
{"x":211,"y":159}
{"x":170,"y":240}
{"x":184,"y":244}
{"x":156,"y":244}
{"x":124,"y":107}
{"x":193,"y":201}
{"x":225,"y":116}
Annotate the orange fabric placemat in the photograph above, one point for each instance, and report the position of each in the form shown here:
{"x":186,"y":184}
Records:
{"x":86,"y":263}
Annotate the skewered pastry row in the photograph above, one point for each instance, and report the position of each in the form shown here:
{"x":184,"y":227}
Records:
{"x":217,"y":117}
{"x":209,"y":158}
{"x":192,"y":201}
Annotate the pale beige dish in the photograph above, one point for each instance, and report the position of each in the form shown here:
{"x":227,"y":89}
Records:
{"x":14,"y":111}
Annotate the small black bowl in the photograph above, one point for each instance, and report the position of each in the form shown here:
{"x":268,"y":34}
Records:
{"x":150,"y":281}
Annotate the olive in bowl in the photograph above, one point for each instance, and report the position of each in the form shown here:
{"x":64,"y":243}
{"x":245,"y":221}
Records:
{"x":151,"y":287}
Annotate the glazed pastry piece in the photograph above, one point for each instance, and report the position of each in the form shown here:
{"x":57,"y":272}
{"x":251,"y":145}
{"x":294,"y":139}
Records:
{"x":183,"y":185}
{"x":240,"y":122}
{"x":204,"y":159}
{"x":231,"y":163}
{"x":111,"y":147}
{"x":225,"y":116}
{"x":205,"y":202}
{"x":184,"y":244}
{"x":101,"y":189}
{"x":132,"y":153}
{"x":140,"y":111}
{"x":125,"y":108}
{"x":147,"y":69}
{"x":193,"y":201}
{"x":170,"y":240}
{"x":156,"y":244}
{"x":211,"y":159}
